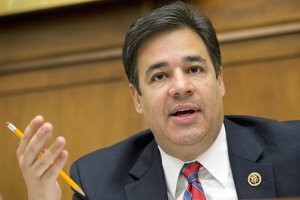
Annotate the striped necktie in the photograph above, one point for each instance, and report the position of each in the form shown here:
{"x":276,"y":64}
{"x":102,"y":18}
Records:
{"x":194,"y":190}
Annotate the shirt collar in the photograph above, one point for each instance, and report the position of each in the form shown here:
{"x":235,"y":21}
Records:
{"x":215,"y":160}
{"x":172,"y":167}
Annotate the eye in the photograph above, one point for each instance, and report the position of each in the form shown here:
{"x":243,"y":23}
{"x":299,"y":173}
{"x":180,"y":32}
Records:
{"x":159,"y":76}
{"x":195,"y":70}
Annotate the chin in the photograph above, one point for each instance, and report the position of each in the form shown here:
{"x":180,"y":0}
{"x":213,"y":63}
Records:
{"x":189,"y":139}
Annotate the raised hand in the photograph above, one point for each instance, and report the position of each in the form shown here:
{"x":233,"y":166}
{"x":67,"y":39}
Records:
{"x":41,"y":171}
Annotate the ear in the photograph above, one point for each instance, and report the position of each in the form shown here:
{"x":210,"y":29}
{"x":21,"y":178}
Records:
{"x":221,"y":81}
{"x":136,"y":98}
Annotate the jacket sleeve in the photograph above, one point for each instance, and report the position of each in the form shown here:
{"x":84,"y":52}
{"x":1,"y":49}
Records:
{"x":74,"y":172}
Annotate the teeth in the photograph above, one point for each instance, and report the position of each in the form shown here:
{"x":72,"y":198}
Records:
{"x":183,"y":110}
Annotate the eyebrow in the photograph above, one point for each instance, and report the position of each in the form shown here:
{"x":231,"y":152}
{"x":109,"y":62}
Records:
{"x":156,"y":66}
{"x":193,"y":58}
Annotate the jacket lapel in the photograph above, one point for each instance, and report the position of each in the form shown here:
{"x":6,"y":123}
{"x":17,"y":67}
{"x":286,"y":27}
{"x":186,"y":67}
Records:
{"x":252,"y":172}
{"x":148,"y":171}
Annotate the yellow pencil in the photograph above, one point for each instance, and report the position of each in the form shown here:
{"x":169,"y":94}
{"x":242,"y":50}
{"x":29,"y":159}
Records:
{"x":62,"y":174}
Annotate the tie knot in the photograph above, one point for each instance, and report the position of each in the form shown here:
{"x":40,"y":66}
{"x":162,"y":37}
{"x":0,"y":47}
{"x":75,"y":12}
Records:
{"x":190,"y":171}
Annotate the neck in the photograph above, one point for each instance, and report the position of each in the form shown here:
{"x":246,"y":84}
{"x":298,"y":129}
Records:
{"x":187,"y":152}
{"x":190,"y":152}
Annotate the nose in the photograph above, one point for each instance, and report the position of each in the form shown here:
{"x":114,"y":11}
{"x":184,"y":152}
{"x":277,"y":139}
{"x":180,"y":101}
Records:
{"x":181,"y":86}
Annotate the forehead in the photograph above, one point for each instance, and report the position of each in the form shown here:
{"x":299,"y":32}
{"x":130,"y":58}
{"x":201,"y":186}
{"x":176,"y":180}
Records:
{"x":171,"y":45}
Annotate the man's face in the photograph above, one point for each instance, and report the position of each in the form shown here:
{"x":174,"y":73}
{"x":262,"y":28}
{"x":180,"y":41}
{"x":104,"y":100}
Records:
{"x":181,"y":98}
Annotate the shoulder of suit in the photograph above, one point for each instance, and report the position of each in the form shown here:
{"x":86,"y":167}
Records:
{"x":129,"y":147}
{"x":245,"y":120}
{"x":268,"y":128}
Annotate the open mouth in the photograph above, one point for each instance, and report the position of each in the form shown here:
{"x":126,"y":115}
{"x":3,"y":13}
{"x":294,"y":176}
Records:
{"x":184,"y":113}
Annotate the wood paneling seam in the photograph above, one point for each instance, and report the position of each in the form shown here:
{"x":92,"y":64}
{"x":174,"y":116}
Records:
{"x":116,"y":53}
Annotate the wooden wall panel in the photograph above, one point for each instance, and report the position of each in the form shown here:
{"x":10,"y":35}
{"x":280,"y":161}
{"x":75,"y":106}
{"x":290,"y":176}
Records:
{"x":56,"y":77}
{"x":262,"y":76}
{"x":55,"y":33}
{"x":231,"y":15}
{"x":261,"y":49}
{"x":66,"y":65}
{"x":267,"y":89}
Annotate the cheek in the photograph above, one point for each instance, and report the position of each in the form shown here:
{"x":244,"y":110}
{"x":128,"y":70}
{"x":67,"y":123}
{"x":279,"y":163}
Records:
{"x":153,"y":103}
{"x":153,"y":113}
{"x":212,"y":95}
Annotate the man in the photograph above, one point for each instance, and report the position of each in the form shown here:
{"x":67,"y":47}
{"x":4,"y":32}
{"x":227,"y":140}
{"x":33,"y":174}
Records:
{"x":173,"y":62}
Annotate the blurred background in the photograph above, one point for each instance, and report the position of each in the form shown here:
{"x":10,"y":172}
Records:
{"x":62,"y":59}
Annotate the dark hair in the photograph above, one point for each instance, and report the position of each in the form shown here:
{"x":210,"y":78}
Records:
{"x":170,"y":17}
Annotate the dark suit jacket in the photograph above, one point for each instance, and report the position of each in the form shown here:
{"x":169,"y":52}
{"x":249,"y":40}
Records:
{"x":132,"y":169}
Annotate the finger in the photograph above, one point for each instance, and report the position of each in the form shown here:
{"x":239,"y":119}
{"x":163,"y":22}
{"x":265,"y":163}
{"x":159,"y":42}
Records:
{"x":30,"y":130}
{"x":53,"y":172}
{"x":49,"y":157}
{"x":36,"y":144}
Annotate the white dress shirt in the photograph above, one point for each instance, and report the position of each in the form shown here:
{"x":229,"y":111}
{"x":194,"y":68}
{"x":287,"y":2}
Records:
{"x":215,"y":175}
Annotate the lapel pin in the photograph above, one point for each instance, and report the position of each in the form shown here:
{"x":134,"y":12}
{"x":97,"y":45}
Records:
{"x":254,"y":179}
